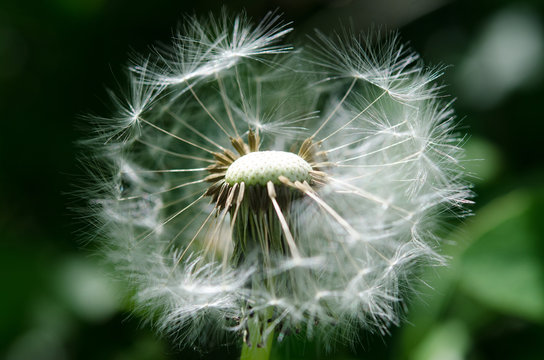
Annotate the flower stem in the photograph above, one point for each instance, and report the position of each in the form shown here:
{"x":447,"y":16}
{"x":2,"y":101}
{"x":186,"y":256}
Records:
{"x":256,"y":348}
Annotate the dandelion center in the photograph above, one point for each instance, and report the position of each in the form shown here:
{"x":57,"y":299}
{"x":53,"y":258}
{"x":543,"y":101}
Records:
{"x":258,"y":168}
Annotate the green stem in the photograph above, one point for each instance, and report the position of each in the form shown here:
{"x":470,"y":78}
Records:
{"x":255,"y":348}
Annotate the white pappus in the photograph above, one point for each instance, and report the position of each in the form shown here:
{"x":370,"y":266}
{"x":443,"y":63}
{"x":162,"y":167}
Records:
{"x":245,"y":179}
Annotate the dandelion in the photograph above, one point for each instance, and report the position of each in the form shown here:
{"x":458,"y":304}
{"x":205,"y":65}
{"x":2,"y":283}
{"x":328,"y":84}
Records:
{"x":249,"y":191}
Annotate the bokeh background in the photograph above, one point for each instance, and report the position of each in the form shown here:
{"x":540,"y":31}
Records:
{"x":57,"y":57}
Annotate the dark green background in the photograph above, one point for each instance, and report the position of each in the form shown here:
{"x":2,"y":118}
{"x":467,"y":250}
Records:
{"x":57,"y":57}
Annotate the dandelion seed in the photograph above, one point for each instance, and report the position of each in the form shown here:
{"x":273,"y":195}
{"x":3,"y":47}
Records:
{"x":247,"y":199}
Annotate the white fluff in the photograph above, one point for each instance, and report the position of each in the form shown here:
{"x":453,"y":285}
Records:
{"x":394,"y":169}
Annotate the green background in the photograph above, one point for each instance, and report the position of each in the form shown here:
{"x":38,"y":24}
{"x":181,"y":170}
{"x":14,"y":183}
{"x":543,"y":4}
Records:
{"x":57,"y":57}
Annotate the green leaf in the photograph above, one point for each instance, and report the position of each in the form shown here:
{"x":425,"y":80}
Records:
{"x":503,"y":266}
{"x":449,"y":340}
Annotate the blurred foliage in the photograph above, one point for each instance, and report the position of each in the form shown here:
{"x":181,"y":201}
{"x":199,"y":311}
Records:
{"x":56,"y":57}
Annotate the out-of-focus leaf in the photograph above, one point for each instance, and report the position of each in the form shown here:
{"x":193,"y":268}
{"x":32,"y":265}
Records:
{"x":503,"y":267}
{"x":433,"y":297}
{"x":496,"y":261}
{"x":507,"y":55}
{"x":485,"y":160}
{"x":86,"y":290}
{"x":37,"y":344}
{"x":448,"y":341}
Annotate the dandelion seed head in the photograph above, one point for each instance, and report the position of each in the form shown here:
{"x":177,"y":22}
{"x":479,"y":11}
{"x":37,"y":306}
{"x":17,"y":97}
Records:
{"x":236,"y":187}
